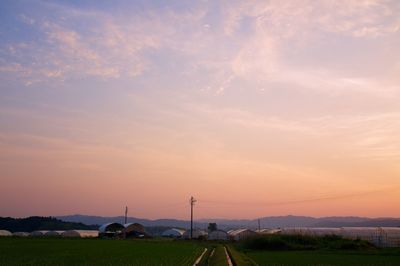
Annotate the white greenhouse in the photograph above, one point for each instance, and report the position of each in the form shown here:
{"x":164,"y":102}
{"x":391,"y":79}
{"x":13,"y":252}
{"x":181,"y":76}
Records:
{"x":379,"y":236}
{"x":268,"y":231}
{"x":81,"y":233}
{"x":240,"y":234}
{"x":390,"y":236}
{"x":5,"y":233}
{"x":53,"y":233}
{"x":311,"y":231}
{"x":173,"y":233}
{"x":21,"y":234}
{"x":39,"y":233}
{"x":197,"y":234}
{"x":218,"y":235}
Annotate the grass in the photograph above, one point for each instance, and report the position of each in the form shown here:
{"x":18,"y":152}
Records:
{"x":58,"y":251}
{"x":218,"y":258}
{"x":313,"y":250}
{"x":301,"y":242}
{"x":239,"y":258}
{"x":319,"y":257}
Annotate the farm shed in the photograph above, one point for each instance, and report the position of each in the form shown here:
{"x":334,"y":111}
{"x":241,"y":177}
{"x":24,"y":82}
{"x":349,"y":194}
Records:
{"x":173,"y":233}
{"x":240,"y":234}
{"x":5,"y":233}
{"x":21,"y":234}
{"x":38,"y":233}
{"x":133,"y":230}
{"x":111,"y":229}
{"x":218,"y":235}
{"x":80,"y":233}
{"x":197,"y":234}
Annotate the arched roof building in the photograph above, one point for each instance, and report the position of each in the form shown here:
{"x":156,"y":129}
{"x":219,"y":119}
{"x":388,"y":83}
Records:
{"x":21,"y":234}
{"x":80,"y":233}
{"x":5,"y":233}
{"x":197,"y":234}
{"x":173,"y":232}
{"x":53,"y":233}
{"x":39,"y":233}
{"x":111,"y":228}
{"x":134,"y":230}
{"x":218,"y":235}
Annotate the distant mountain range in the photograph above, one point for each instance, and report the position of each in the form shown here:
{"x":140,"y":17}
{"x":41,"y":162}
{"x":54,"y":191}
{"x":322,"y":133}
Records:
{"x":265,"y":222}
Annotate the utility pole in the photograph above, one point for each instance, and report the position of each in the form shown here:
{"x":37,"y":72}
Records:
{"x":259,"y":228}
{"x":126,"y":214}
{"x":192,"y":201}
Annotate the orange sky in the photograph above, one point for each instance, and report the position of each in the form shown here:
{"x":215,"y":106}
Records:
{"x":256,"y":109}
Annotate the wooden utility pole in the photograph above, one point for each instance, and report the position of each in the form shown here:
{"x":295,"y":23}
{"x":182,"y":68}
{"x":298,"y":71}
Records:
{"x":126,"y":214}
{"x":192,"y":201}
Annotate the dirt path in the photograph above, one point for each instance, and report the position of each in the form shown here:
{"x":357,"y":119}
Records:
{"x":200,"y":257}
{"x":228,"y":258}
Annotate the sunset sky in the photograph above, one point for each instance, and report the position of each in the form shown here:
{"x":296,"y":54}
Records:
{"x":256,"y":108}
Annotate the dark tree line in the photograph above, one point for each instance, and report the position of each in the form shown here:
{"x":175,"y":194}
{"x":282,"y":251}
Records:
{"x":40,"y":223}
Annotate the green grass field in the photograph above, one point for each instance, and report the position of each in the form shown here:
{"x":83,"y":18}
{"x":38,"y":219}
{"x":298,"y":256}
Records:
{"x":218,"y":257}
{"x":353,"y":258}
{"x":58,"y":251}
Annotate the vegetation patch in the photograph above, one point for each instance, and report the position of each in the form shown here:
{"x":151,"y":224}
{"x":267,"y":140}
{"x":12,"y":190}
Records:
{"x":46,"y":251}
{"x":301,"y":242}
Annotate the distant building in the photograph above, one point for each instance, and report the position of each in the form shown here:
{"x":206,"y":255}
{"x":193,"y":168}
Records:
{"x":53,"y":233}
{"x":218,"y":235}
{"x":197,"y":234}
{"x":80,"y":233}
{"x":240,"y":234}
{"x":111,"y":229}
{"x":21,"y":234}
{"x":39,"y":233}
{"x":268,"y":231}
{"x":173,"y":233}
{"x":134,"y":230}
{"x":5,"y":233}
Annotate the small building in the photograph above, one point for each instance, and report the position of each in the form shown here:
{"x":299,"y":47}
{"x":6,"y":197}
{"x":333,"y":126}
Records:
{"x":240,"y":234}
{"x":197,"y":234}
{"x":134,"y":230}
{"x":5,"y":233}
{"x":39,"y":233}
{"x":218,"y":235}
{"x":80,"y":233}
{"x":173,"y":233}
{"x":111,"y":229}
{"x":21,"y":234}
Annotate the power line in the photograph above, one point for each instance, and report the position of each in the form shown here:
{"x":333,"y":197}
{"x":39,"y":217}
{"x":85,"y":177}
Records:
{"x":296,"y":201}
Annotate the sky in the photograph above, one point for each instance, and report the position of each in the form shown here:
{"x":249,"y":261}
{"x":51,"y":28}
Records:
{"x":256,"y":108}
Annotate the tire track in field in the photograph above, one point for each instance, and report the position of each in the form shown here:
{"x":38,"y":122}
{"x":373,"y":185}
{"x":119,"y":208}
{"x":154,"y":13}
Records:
{"x":228,"y":258}
{"x":200,"y":257}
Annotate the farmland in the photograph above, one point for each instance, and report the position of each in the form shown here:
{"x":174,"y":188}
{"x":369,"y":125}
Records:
{"x":325,"y":257}
{"x":58,"y":251}
{"x":62,"y":251}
